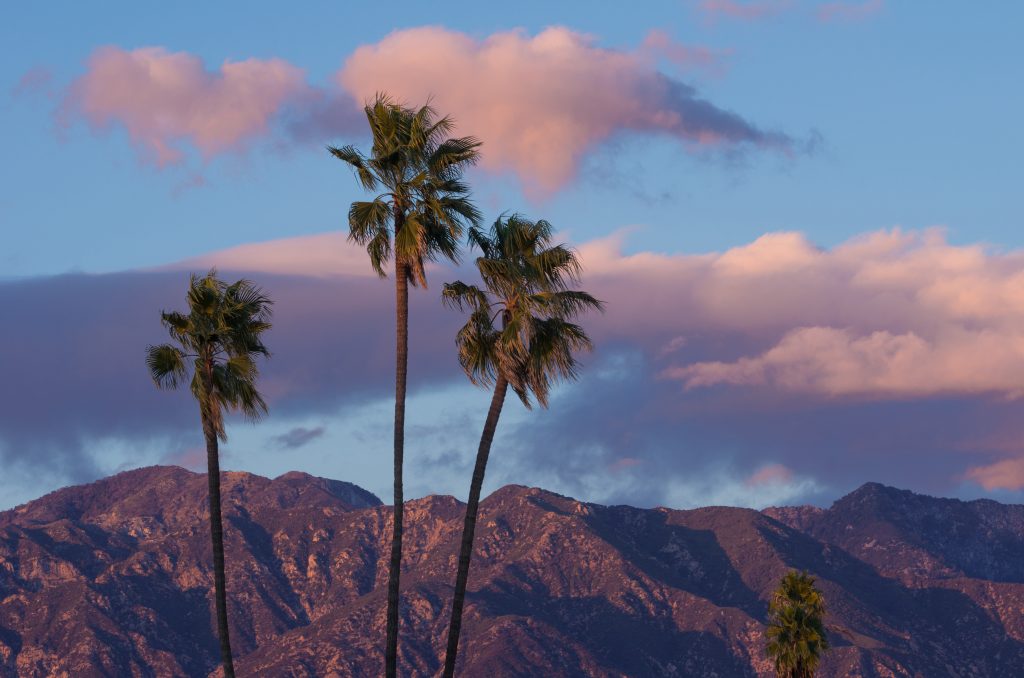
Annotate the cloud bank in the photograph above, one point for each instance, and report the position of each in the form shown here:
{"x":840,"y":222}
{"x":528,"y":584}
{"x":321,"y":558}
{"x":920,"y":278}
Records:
{"x":777,"y":369}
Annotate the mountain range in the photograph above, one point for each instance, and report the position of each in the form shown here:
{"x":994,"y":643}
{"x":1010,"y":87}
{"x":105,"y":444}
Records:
{"x":114,"y":579}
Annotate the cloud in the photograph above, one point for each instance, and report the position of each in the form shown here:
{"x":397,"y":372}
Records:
{"x":848,"y":11}
{"x":1007,"y":474}
{"x":541,"y":103}
{"x":80,"y":379}
{"x":320,"y":255}
{"x":192,"y":457}
{"x":894,"y":356}
{"x":166,"y":99}
{"x":37,"y":80}
{"x":886,"y":315}
{"x":659,"y":44}
{"x":772,"y":474}
{"x":297,"y":437}
{"x":837,"y":362}
{"x":752,"y":10}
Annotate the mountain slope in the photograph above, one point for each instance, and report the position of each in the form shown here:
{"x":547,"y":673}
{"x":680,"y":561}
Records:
{"x":112,"y":578}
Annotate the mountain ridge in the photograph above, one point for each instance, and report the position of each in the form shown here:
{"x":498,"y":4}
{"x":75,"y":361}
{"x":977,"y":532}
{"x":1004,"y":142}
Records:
{"x":112,"y":578}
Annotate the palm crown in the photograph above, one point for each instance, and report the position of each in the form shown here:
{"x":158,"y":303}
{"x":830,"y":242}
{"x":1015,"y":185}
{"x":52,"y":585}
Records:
{"x":424,"y":207}
{"x":222,"y":334}
{"x":796,"y":631}
{"x":526,"y":280}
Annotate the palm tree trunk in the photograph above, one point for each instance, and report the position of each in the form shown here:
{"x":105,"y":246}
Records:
{"x":217,"y":537}
{"x":401,"y":370}
{"x":469,"y":527}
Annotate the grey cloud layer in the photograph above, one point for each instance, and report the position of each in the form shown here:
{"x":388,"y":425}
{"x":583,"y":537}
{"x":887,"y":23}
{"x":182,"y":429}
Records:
{"x":635,"y":429}
{"x":74,"y":371}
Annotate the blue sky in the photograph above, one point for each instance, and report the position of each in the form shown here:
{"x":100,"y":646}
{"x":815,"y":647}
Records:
{"x":916,"y":110}
{"x":908,"y":116}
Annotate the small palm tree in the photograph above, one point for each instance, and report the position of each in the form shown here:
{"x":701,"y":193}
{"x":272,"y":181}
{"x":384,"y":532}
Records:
{"x":419,"y":216}
{"x":796,"y":630}
{"x":526,"y":281}
{"x":221,"y":335}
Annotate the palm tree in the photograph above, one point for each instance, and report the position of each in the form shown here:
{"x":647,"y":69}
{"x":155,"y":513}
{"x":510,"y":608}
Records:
{"x":419,"y":216}
{"x":526,"y":281}
{"x":796,"y":630}
{"x":221,"y":335}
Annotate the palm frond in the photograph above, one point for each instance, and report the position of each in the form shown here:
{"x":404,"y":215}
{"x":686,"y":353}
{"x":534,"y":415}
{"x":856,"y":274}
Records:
{"x":552,"y":356}
{"x":458,"y":212}
{"x":166,"y":365}
{"x":355,"y":159}
{"x":451,"y":156}
{"x":556,"y":266}
{"x":441,"y":238}
{"x":367,"y":218}
{"x":565,"y":303}
{"x":478,"y":238}
{"x":462,"y":296}
{"x":379,"y":249}
{"x":476,"y":344}
{"x":234,"y":384}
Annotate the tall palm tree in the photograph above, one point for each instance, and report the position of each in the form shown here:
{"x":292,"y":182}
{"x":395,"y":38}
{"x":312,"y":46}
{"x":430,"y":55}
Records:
{"x":796,"y":630}
{"x":221,"y":335}
{"x":418,"y":216}
{"x":526,"y":280}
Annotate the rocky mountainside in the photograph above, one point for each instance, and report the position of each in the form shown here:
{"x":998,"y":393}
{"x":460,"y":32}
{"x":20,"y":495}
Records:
{"x":113,"y":579}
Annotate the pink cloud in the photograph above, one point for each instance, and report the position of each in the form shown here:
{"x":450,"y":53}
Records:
{"x":193,"y":458}
{"x":623,"y":463}
{"x":887,"y":315}
{"x":849,"y":11}
{"x":36,"y":80}
{"x":540,"y":103}
{"x":660,"y":44}
{"x":772,"y":474}
{"x":671,"y":346}
{"x":318,"y":256}
{"x":166,"y":98}
{"x":746,"y":11}
{"x":1007,"y":474}
{"x":838,"y":362}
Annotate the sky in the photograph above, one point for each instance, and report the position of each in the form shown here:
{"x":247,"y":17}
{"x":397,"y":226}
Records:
{"x":804,"y":216}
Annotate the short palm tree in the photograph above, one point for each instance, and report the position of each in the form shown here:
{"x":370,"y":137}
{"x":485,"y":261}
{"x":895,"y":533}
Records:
{"x":796,"y":628}
{"x":526,"y":280}
{"x":220,"y":336}
{"x":419,"y":215}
